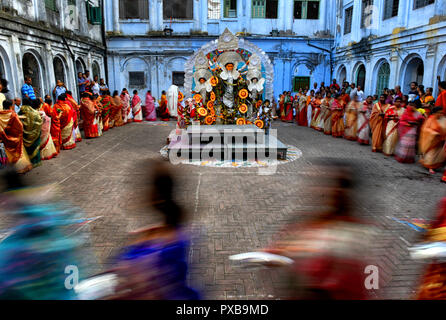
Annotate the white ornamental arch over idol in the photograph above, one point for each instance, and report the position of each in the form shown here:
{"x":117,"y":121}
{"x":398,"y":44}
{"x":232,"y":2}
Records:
{"x":220,"y":43}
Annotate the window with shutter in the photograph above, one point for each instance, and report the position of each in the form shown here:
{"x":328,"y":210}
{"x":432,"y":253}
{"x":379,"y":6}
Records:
{"x":178,"y":9}
{"x":422,"y":3}
{"x":348,"y":20}
{"x":306,"y":9}
{"x":137,"y":79}
{"x":134,"y":9}
{"x":51,"y":5}
{"x":391,"y":8}
{"x":258,"y":8}
{"x":230,"y":8}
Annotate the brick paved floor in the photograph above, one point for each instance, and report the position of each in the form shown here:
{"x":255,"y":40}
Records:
{"x":237,"y":210}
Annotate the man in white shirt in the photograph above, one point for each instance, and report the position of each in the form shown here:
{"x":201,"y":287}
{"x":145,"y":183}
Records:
{"x":360,"y":94}
{"x":314,"y":88}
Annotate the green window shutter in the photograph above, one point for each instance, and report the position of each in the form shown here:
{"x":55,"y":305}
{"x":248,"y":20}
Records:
{"x":51,"y":5}
{"x":97,"y":15}
{"x":258,"y":8}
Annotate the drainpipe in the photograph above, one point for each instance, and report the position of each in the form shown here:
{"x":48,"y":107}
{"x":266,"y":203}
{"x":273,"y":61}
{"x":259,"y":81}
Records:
{"x":325,"y":50}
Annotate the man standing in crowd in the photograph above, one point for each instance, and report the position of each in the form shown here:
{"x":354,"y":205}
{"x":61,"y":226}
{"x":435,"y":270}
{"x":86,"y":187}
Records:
{"x":360,"y":94}
{"x":59,"y":89}
{"x":103,"y":87}
{"x":335,"y":86}
{"x":17,"y":105}
{"x":413,"y":93}
{"x":81,"y":82}
{"x":28,"y":90}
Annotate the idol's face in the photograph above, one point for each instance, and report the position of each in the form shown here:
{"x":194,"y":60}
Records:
{"x":202,"y":80}
{"x":229,"y":67}
{"x":254,"y":80}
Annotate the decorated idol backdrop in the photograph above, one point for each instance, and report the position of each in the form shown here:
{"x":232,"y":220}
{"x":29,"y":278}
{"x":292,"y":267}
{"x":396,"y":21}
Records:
{"x":228,"y":81}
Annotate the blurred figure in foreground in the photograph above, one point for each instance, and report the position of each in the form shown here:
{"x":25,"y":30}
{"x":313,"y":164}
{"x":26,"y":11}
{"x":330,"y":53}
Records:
{"x":154,"y":265}
{"x":328,"y":250}
{"x":433,"y":249}
{"x":34,"y":253}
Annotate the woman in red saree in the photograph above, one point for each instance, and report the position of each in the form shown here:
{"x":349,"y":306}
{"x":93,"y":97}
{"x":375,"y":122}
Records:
{"x":106,"y":110}
{"x":66,"y":122}
{"x":337,"y":125}
{"x":411,"y":119}
{"x":125,"y":98}
{"x":302,"y":111}
{"x":136,"y":107}
{"x":288,"y":108}
{"x":51,"y":112}
{"x":164,"y":111}
{"x":11,"y":135}
{"x":150,"y":107}
{"x":88,"y":114}
{"x":392,"y":119}
{"x":326,"y":105}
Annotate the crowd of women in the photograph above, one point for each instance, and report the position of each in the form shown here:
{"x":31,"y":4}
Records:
{"x":40,"y":129}
{"x":403,"y":126}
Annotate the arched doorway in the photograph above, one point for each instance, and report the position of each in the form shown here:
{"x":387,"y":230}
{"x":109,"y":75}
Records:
{"x":80,"y":66}
{"x":342,"y":75}
{"x":383,"y":78}
{"x":59,"y":69}
{"x":360,"y":76}
{"x":96,"y":70}
{"x":31,"y":68}
{"x":414,"y":72}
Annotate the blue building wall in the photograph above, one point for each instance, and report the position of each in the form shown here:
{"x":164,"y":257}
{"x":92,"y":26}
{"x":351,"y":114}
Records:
{"x":139,"y":45}
{"x":412,"y":43}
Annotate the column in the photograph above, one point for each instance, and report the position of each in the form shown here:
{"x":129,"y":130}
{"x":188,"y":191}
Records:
{"x":394,"y":68}
{"x":430,"y":64}
{"x":204,"y":16}
{"x":16,"y":64}
{"x":323,"y":19}
{"x":287,"y":74}
{"x":197,"y":15}
{"x":160,"y":15}
{"x":356,"y":21}
{"x":116,"y":26}
{"x":288,"y":14}
{"x":48,"y":76}
{"x":403,"y":13}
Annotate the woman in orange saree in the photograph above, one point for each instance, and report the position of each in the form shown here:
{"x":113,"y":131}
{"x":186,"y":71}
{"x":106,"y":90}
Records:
{"x":282,"y":106}
{"x":47,"y":148}
{"x":66,"y":122}
{"x":351,"y":127}
{"x":327,"y":117}
{"x":316,"y":106}
{"x":88,"y":113}
{"x":432,"y":140}
{"x":11,"y":135}
{"x":164,"y":111}
{"x":378,"y":123}
{"x":116,"y":115}
{"x":337,"y":125}
{"x":392,"y":118}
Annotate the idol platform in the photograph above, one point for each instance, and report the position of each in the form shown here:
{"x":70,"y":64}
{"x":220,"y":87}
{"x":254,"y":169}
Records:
{"x":226,"y":143}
